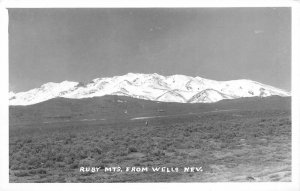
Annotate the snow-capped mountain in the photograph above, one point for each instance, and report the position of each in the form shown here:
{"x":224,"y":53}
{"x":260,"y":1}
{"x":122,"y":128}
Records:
{"x":155,"y":87}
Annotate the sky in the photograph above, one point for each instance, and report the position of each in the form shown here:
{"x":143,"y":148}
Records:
{"x":53,"y":45}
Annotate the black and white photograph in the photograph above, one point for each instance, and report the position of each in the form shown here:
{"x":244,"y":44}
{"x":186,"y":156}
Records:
{"x":150,"y":95}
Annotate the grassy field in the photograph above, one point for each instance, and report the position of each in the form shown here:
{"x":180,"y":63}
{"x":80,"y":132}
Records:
{"x":229,"y":146}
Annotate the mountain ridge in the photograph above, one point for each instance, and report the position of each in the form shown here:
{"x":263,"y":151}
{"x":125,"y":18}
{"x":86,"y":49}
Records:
{"x":154,"y":87}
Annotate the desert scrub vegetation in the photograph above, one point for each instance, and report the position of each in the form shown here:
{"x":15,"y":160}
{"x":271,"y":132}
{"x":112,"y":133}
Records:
{"x":54,"y":154}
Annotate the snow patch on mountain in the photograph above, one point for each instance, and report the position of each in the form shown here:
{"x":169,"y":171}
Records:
{"x":45,"y":92}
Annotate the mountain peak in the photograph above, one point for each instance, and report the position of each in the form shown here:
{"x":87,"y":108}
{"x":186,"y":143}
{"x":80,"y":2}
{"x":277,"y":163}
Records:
{"x":156,"y":87}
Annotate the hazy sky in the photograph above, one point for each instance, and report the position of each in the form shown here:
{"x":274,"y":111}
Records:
{"x":83,"y":44}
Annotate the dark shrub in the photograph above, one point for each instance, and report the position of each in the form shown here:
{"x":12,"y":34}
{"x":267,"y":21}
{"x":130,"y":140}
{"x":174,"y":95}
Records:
{"x":132,"y":150}
{"x":21,"y":174}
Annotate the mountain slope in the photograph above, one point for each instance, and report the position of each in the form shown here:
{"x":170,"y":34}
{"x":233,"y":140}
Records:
{"x":208,"y":96}
{"x":114,"y":108}
{"x":155,"y":87}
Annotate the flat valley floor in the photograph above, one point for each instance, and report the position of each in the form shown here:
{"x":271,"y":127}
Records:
{"x":230,"y":146}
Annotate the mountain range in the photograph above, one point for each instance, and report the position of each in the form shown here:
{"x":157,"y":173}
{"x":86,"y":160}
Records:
{"x":154,"y":87}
